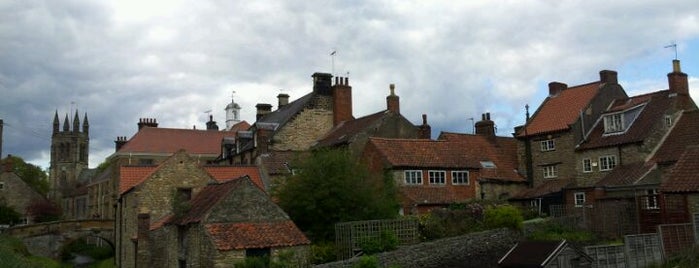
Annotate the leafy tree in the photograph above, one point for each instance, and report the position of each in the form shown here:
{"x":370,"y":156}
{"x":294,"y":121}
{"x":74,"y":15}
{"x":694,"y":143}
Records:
{"x":332,"y":186}
{"x":44,"y":211}
{"x":8,"y":215}
{"x":31,"y":174}
{"x":503,"y":216}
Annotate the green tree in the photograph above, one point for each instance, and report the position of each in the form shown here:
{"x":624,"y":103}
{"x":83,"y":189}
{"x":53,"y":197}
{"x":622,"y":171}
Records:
{"x":331,"y":186}
{"x":31,"y":174}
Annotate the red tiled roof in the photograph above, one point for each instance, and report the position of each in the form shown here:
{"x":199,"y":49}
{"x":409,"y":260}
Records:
{"x":131,"y":176}
{"x":169,"y":141}
{"x":556,"y":113}
{"x":502,"y":151}
{"x":240,"y":126}
{"x":684,"y":176}
{"x":656,"y":105}
{"x":431,"y":195}
{"x":232,"y":236}
{"x":546,"y":188}
{"x":424,"y":153}
{"x":226,"y":173}
{"x":628,"y":174}
{"x":683,"y":134}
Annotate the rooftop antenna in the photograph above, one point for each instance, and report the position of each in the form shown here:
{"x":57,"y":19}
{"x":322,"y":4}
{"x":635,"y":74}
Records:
{"x":332,"y":56}
{"x":674,"y":47}
{"x":473,"y":127}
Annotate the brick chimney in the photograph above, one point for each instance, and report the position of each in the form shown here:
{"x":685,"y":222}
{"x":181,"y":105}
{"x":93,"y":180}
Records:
{"x":608,"y":77}
{"x":393,"y":101}
{"x":321,"y":83}
{"x":677,"y":80}
{"x":485,"y":127}
{"x":556,"y":87}
{"x":342,"y":100}
{"x":262,"y":110}
{"x":211,"y":125}
{"x":262,"y":137}
{"x":424,"y":131}
{"x":283,"y":99}
{"x":147,"y":122}
{"x":120,"y":142}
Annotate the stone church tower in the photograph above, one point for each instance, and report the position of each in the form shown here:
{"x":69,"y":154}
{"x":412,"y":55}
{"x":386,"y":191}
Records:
{"x":69,"y":155}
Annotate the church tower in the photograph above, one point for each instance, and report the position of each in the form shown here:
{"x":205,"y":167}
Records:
{"x":69,"y":155}
{"x":232,"y":114}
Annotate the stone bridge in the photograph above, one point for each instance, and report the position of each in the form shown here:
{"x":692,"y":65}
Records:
{"x":47,"y":239}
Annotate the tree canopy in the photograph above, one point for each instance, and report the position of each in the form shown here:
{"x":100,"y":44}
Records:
{"x":31,"y":174}
{"x":331,"y":186}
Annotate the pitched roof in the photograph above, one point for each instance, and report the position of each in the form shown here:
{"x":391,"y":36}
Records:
{"x":552,"y":186}
{"x":131,"y":176}
{"x":277,"y":162}
{"x":502,"y":151}
{"x":232,"y":236}
{"x":240,"y":126}
{"x":227,"y":173}
{"x":682,"y":134}
{"x":154,"y":140}
{"x":347,"y":130}
{"x":558,"y":112}
{"x":655,"y":105}
{"x":628,"y":174}
{"x":285,"y":113}
{"x":684,"y":176}
{"x":424,"y":153}
{"x":534,"y":254}
{"x":209,"y":196}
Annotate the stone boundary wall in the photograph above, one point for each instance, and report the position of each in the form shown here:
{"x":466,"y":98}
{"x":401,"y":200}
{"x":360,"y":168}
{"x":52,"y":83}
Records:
{"x":482,"y":249}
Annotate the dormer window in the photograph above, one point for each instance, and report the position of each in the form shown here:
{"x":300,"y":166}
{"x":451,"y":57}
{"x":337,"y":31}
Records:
{"x":614,"y":123}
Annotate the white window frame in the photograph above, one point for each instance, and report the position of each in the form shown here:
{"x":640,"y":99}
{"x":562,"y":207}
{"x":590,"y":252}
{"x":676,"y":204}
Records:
{"x":607,"y":162}
{"x":410,"y":180}
{"x":431,"y":174}
{"x":652,"y":194}
{"x":586,"y":165}
{"x":579,"y":199}
{"x":548,"y":145}
{"x":668,"y":120}
{"x":458,"y":176}
{"x":614,"y":123}
{"x":550,"y":171}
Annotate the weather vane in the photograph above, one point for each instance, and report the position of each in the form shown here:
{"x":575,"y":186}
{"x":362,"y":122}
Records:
{"x":674,"y":47}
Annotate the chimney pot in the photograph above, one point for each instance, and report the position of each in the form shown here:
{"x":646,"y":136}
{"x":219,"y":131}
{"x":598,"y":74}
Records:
{"x":393,"y":101}
{"x":424,"y":119}
{"x":556,"y":87}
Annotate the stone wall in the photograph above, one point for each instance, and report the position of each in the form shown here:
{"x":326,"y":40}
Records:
{"x":482,"y":249}
{"x":303,"y":131}
{"x":563,"y":156}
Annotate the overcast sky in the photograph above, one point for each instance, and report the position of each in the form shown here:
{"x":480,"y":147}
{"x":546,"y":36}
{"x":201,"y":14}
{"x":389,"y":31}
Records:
{"x":172,"y":60}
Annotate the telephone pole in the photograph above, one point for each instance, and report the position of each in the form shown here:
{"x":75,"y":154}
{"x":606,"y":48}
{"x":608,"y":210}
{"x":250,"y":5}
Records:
{"x":1,"y":123}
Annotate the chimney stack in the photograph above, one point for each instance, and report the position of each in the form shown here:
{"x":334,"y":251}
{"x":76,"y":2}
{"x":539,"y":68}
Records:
{"x":211,"y":125}
{"x":677,"y":80}
{"x":120,"y":142}
{"x":283,"y":100}
{"x":147,"y":122}
{"x":262,"y":110}
{"x":424,"y":131}
{"x":556,"y":87}
{"x":342,"y":100}
{"x":608,"y":77}
{"x":321,"y":83}
{"x":393,"y":101}
{"x":485,"y":127}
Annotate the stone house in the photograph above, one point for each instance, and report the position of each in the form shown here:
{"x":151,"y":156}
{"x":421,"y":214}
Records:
{"x":456,"y":167}
{"x":15,"y":193}
{"x":226,"y":223}
{"x":150,"y":146}
{"x":152,"y":191}
{"x":548,"y":140}
{"x":680,"y":189}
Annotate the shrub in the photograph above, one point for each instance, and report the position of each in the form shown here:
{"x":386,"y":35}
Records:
{"x":503,"y":216}
{"x":386,"y":241}
{"x":323,"y":252}
{"x":550,"y":231}
{"x":367,"y":262}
